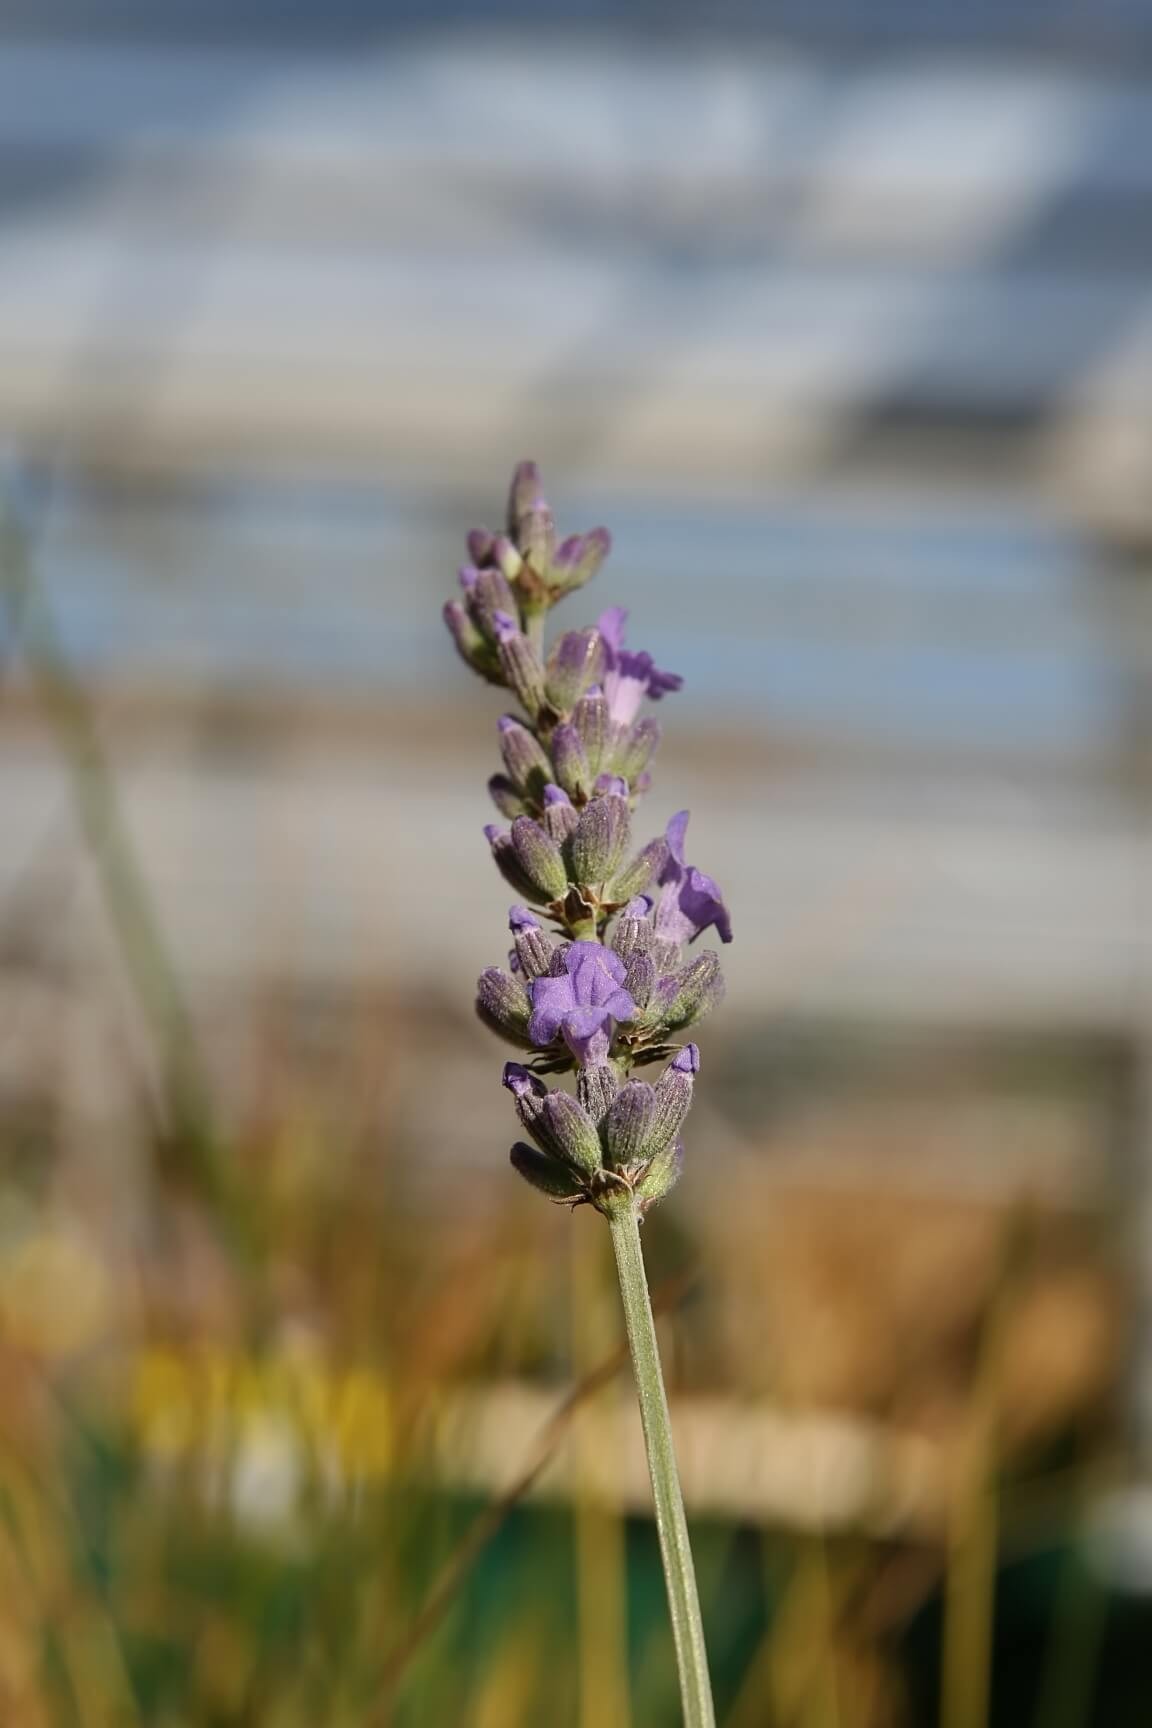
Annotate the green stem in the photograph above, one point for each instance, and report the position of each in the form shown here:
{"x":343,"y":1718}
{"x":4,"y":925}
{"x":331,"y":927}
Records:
{"x":675,"y":1552}
{"x":534,"y":630}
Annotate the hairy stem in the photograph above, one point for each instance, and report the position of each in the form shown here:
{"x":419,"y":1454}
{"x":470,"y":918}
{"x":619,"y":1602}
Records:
{"x":675,"y":1551}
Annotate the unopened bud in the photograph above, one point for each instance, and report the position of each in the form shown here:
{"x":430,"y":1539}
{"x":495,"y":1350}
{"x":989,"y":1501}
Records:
{"x":522,"y":665}
{"x":594,"y":725}
{"x":502,"y":1003}
{"x":639,"y":874}
{"x":572,"y":767}
{"x":576,"y":660}
{"x":627,"y":1124}
{"x":544,"y":1174}
{"x":601,"y":839}
{"x":596,"y":1086}
{"x":539,"y":857}
{"x":524,"y":757}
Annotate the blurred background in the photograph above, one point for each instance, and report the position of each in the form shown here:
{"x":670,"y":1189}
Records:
{"x":840,"y":315}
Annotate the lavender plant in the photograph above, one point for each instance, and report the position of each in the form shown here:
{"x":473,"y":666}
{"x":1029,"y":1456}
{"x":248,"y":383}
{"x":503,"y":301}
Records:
{"x":597,"y":981}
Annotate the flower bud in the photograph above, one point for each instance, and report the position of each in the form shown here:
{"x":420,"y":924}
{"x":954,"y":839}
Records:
{"x":699,"y":987}
{"x":577,"y":559}
{"x":522,"y":665}
{"x":661,"y":1175}
{"x":576,"y":660}
{"x":540,"y":858}
{"x":571,"y":1132}
{"x":527,"y":764}
{"x":572,"y":767}
{"x":508,"y":864}
{"x":533,"y":947}
{"x":505,"y":796}
{"x":666,"y":954}
{"x":506,"y":557}
{"x":633,"y":932}
{"x":673,"y":1093}
{"x":530,"y":521}
{"x":472,"y":645}
{"x":528,"y":1094}
{"x":601,"y":839}
{"x":639,"y":874}
{"x":554,"y":1119}
{"x":627,"y":1124}
{"x":480,"y":542}
{"x":639,"y":978}
{"x":486,"y":593}
{"x":560,"y":818}
{"x":544,"y":1173}
{"x":638,"y":748}
{"x":502,"y":1003}
{"x":593,"y":723}
{"x":596,"y":1086}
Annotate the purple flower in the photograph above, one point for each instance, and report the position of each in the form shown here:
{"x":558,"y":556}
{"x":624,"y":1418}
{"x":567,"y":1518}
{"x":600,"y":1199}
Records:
{"x":689,"y":900}
{"x":629,"y":677}
{"x":582,"y":1002}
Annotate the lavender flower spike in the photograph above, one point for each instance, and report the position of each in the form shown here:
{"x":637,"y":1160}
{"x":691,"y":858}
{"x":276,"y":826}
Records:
{"x":597,"y":982}
{"x":629,"y":676}
{"x":689,"y":900}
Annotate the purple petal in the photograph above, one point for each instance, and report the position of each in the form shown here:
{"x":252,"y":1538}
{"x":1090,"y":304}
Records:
{"x":663,"y":683}
{"x":624,"y":691}
{"x":552,"y":1000}
{"x":674,"y":834}
{"x":521,"y":1081}
{"x":588,"y":1034}
{"x":620,"y":1005}
{"x":690,"y":902}
{"x":590,"y":961}
{"x":687,"y":1061}
{"x":519,"y":918}
{"x":702,"y":901}
{"x":611,"y":626}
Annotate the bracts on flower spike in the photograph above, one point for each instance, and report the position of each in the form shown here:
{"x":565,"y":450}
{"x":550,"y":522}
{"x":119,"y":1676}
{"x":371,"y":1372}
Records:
{"x":598,"y":981}
{"x":632,"y":1146}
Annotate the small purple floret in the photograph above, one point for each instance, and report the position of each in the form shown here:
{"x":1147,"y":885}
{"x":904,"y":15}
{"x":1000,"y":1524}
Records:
{"x":582,"y":1002}
{"x":520,"y":1081}
{"x":629,"y":677}
{"x":689,"y":900}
